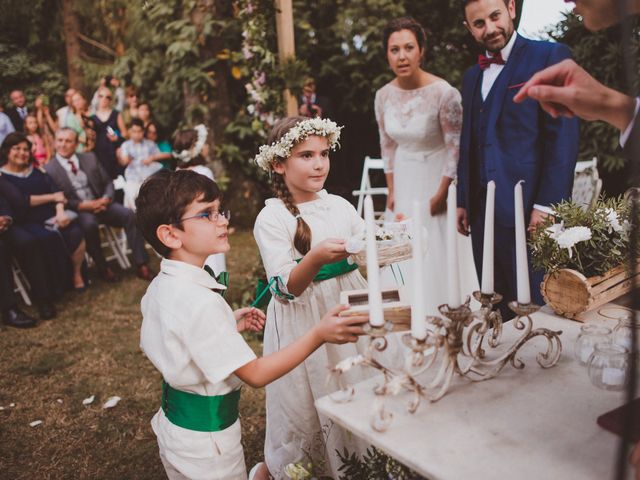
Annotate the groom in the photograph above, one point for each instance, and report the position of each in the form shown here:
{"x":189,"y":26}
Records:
{"x":508,"y":142}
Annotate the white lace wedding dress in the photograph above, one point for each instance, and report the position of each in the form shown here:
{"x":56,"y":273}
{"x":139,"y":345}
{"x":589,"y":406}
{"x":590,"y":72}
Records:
{"x":419,"y":142}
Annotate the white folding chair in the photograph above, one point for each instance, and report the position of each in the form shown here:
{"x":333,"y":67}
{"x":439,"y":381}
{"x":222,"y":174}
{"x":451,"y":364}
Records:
{"x":21,"y":283}
{"x":587,"y":183}
{"x":365,"y":182}
{"x":117,"y":242}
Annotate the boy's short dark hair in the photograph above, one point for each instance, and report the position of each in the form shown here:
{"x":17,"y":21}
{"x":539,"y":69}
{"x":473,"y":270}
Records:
{"x":163,"y":199}
{"x":136,"y":122}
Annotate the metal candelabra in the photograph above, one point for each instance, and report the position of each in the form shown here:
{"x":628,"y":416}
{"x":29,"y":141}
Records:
{"x":457,"y":345}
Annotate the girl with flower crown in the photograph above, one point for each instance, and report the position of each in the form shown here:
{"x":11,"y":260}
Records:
{"x":301,"y":235}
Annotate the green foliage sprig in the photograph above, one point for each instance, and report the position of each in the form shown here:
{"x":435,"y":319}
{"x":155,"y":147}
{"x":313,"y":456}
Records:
{"x":373,"y":465}
{"x":609,"y":224}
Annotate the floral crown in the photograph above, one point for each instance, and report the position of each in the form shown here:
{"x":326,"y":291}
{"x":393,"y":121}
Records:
{"x":323,"y":127}
{"x":186,"y":156}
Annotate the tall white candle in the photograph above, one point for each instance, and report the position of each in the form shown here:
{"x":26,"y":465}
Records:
{"x":522,"y":265}
{"x":376,"y":317}
{"x":453,"y":276}
{"x":418,"y":320}
{"x":487,"y":253}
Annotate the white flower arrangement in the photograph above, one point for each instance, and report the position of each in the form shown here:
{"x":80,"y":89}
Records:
{"x":591,"y":241}
{"x":569,"y":237}
{"x":186,"y":156}
{"x":322,"y":127}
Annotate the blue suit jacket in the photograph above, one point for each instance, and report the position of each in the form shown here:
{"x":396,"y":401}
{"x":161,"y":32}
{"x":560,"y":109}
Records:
{"x":523,"y":142}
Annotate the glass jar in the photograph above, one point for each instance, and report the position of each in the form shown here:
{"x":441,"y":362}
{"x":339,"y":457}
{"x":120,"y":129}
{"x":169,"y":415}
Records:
{"x":623,"y":331}
{"x":609,"y":366}
{"x":590,"y":336}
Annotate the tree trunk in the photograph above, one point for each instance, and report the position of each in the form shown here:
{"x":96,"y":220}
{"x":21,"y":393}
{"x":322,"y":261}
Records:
{"x":217,"y":106}
{"x":71,"y":28}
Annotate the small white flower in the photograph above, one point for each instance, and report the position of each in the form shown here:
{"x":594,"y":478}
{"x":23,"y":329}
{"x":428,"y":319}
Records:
{"x":89,"y":400}
{"x":296,"y":471}
{"x":348,"y":363}
{"x":571,"y":236}
{"x":613,"y":220}
{"x":555,"y":230}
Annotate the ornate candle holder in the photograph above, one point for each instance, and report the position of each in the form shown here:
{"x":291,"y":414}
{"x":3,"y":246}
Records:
{"x":457,"y":345}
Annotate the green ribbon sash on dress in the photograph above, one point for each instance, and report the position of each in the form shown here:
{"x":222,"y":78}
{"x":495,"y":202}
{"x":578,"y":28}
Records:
{"x":330,"y":270}
{"x":198,"y":412}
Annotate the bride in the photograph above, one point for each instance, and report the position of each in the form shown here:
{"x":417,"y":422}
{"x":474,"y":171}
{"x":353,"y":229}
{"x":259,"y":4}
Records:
{"x":419,"y":117}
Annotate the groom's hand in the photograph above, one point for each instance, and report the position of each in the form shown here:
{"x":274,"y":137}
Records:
{"x":537,"y":217}
{"x":463,"y":221}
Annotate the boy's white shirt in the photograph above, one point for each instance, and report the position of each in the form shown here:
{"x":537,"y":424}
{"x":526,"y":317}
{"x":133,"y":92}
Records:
{"x":189,"y":333}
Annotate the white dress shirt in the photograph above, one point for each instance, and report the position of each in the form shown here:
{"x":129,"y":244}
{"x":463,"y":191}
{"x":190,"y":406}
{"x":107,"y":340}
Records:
{"x":490,"y":75}
{"x":189,"y":333}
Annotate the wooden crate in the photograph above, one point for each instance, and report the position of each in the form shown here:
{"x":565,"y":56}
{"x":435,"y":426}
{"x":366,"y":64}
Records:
{"x":570,"y":293}
{"x":394,"y":305}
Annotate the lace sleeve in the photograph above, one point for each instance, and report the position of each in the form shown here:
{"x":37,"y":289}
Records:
{"x":387,"y":144}
{"x":450,"y":116}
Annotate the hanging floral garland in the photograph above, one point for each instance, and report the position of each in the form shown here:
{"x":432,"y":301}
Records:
{"x":260,"y":64}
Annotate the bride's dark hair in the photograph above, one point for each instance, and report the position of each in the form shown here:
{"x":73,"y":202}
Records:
{"x":404,"y":23}
{"x":302,"y":238}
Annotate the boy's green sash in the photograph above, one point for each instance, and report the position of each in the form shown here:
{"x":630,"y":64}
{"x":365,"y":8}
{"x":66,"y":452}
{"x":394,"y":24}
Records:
{"x":199,"y":412}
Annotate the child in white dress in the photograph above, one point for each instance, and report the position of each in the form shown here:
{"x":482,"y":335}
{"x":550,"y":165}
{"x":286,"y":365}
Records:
{"x":192,"y":337}
{"x":301,"y":235}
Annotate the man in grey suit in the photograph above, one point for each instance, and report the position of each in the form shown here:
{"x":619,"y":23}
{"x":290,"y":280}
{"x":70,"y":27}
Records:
{"x":89,"y":191}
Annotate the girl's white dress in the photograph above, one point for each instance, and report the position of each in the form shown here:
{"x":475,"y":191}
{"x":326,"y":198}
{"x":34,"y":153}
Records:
{"x":419,"y":142}
{"x":295,"y":430}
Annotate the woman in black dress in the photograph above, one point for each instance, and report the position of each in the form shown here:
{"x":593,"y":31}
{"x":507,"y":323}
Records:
{"x":110,"y":132}
{"x":44,"y":214}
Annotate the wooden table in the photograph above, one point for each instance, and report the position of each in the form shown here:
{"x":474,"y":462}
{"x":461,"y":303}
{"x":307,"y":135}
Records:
{"x":523,"y":424}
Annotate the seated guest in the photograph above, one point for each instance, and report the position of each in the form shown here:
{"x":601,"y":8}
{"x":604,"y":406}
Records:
{"x":89,"y":190}
{"x":46,"y":210}
{"x":140,"y":157}
{"x":6,"y":127}
{"x":19,"y":111}
{"x":11,"y":314}
{"x":62,"y":112}
{"x":41,"y":148}
{"x":151,"y":133}
{"x":78,"y":120}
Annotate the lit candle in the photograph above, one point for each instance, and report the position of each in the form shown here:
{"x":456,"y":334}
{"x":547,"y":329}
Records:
{"x":418,"y":320}
{"x":522,"y":265}
{"x":487,"y":253}
{"x":376,"y":317}
{"x":453,"y":276}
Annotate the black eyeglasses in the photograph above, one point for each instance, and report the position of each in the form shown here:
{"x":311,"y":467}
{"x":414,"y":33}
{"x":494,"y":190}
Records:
{"x":212,"y":216}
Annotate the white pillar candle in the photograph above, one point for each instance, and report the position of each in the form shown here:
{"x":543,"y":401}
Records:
{"x":376,"y":317}
{"x":522,"y":265}
{"x":453,"y":276}
{"x":487,"y":252}
{"x":418,"y":319}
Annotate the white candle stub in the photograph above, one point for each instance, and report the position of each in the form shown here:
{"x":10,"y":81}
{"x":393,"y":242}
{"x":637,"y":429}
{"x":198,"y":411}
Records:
{"x":612,"y":376}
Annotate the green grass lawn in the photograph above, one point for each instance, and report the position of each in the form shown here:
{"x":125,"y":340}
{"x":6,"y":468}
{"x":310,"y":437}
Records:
{"x":92,"y":348}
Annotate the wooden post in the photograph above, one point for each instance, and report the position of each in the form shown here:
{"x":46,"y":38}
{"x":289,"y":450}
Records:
{"x":286,"y":46}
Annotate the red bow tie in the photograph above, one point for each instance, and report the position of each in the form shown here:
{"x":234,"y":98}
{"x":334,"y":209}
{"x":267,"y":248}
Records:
{"x":484,"y":61}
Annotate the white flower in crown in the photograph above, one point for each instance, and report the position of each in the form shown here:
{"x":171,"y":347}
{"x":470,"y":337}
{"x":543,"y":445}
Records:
{"x":571,"y":236}
{"x":186,"y":156}
{"x":322,"y":127}
{"x":613,"y":220}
